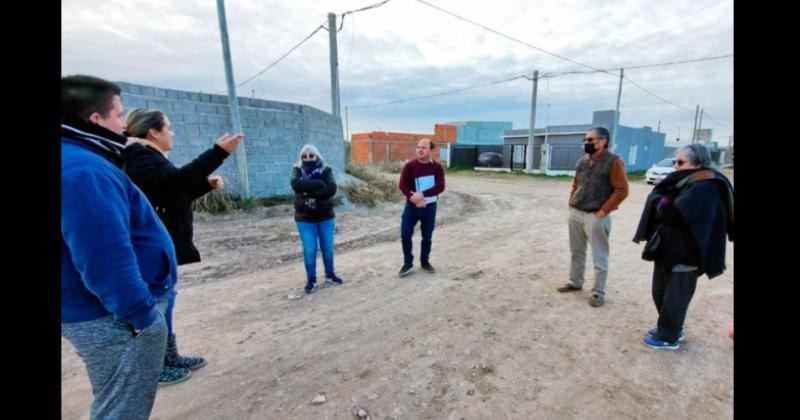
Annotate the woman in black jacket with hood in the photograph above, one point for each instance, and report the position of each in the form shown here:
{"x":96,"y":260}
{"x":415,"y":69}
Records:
{"x":171,"y":190}
{"x":314,"y":188}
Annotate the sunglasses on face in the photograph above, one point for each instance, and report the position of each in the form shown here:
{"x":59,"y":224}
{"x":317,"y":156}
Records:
{"x":308,"y":156}
{"x":680,"y":162}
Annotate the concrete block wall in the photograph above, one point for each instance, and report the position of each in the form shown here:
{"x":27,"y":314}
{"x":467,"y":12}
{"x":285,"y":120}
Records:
{"x":274,"y":133}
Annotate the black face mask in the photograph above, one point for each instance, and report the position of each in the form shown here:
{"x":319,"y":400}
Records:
{"x":589,"y":148}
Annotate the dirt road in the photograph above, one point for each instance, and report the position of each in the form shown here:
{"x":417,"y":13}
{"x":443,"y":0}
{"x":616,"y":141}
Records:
{"x":486,"y":337}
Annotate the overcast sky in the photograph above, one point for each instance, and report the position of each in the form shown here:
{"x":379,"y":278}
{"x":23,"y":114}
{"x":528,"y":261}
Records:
{"x":407,"y":49}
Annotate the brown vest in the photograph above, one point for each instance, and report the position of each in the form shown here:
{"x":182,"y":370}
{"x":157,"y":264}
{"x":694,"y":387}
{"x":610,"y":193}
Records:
{"x":594,"y":182}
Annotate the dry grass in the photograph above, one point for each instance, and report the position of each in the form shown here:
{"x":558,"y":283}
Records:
{"x":375,"y":190}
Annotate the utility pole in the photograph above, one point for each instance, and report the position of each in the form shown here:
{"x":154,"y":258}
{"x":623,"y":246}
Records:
{"x":616,"y":112}
{"x":700,"y":125}
{"x":236,"y":119}
{"x":658,"y":130}
{"x":347,"y":143}
{"x":334,"y":66}
{"x":694,"y":131}
{"x":529,"y":149}
{"x":445,"y":141}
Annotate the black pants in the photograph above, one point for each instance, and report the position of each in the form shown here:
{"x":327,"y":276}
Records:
{"x":672,"y":293}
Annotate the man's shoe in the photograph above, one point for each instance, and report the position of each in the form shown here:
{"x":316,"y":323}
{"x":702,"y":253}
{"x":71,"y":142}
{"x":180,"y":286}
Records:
{"x":596,"y":300}
{"x":406,"y":270}
{"x":428,"y":267}
{"x":568,"y":288}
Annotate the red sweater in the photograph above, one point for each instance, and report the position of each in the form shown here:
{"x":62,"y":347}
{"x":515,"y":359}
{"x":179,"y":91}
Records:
{"x":414,"y":169}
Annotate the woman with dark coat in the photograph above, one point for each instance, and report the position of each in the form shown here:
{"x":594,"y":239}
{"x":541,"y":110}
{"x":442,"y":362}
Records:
{"x":314,"y":188}
{"x":171,"y":190}
{"x":686,"y":220}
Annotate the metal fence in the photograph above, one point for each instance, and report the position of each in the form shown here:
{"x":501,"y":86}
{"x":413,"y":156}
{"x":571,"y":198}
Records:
{"x":488,"y":156}
{"x":563,"y":158}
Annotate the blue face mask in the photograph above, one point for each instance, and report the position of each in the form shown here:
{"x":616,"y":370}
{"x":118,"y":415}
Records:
{"x":310,"y":164}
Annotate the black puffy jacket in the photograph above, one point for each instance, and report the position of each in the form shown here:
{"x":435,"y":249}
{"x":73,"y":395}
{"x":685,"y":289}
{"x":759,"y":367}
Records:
{"x":321,"y":191}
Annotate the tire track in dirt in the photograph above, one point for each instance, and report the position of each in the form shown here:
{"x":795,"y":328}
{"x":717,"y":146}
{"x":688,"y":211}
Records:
{"x":487,"y":336}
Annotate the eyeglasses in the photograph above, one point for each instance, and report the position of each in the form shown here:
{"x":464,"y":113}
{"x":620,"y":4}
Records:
{"x":679,"y":162}
{"x":307,"y":156}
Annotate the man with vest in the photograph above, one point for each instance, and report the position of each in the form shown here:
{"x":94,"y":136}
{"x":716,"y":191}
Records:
{"x":599,"y":186}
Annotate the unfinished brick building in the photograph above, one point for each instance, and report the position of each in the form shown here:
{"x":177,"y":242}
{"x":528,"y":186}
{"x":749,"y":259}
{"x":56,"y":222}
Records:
{"x":382,"y":146}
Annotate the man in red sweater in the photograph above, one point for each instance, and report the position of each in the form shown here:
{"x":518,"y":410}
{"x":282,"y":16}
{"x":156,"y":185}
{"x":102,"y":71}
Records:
{"x":421,"y":181}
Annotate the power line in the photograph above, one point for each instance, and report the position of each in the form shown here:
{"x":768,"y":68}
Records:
{"x":712,"y":119}
{"x":371,"y":6}
{"x":558,"y":74}
{"x":659,"y":97}
{"x":715,"y":122}
{"x":509,"y":37}
{"x":565,"y":73}
{"x":282,"y":57}
{"x":440,"y":93}
{"x":669,"y":63}
{"x":352,"y":42}
{"x":322,"y":26}
{"x":649,"y":92}
{"x":595,"y":70}
{"x":718,"y":57}
{"x":545,"y":76}
{"x":672,"y":103}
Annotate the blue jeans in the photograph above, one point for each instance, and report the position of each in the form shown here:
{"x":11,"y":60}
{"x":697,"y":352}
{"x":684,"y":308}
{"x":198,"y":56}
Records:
{"x":312,"y":233}
{"x":427,"y":218}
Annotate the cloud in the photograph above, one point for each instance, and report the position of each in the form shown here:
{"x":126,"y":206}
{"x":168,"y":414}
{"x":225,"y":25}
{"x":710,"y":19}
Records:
{"x":406,"y":49}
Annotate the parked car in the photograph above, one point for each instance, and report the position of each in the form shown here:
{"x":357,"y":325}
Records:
{"x":490,"y":159}
{"x":659,"y":171}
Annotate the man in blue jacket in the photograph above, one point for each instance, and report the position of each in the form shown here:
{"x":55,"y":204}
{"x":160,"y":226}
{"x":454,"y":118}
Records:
{"x":118,"y":262}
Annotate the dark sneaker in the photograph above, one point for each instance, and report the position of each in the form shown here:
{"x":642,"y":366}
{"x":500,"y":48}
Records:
{"x":311,"y":286}
{"x":333,"y":279}
{"x":171,"y":375}
{"x":428,"y":267}
{"x":568,"y":288}
{"x":596,"y":300}
{"x":190,"y":362}
{"x":654,"y":331}
{"x":406,"y":270}
{"x":173,"y":359}
{"x":655,"y":342}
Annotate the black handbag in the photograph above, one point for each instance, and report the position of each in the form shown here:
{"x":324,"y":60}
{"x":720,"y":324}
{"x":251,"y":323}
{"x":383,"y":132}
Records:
{"x":651,"y":247}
